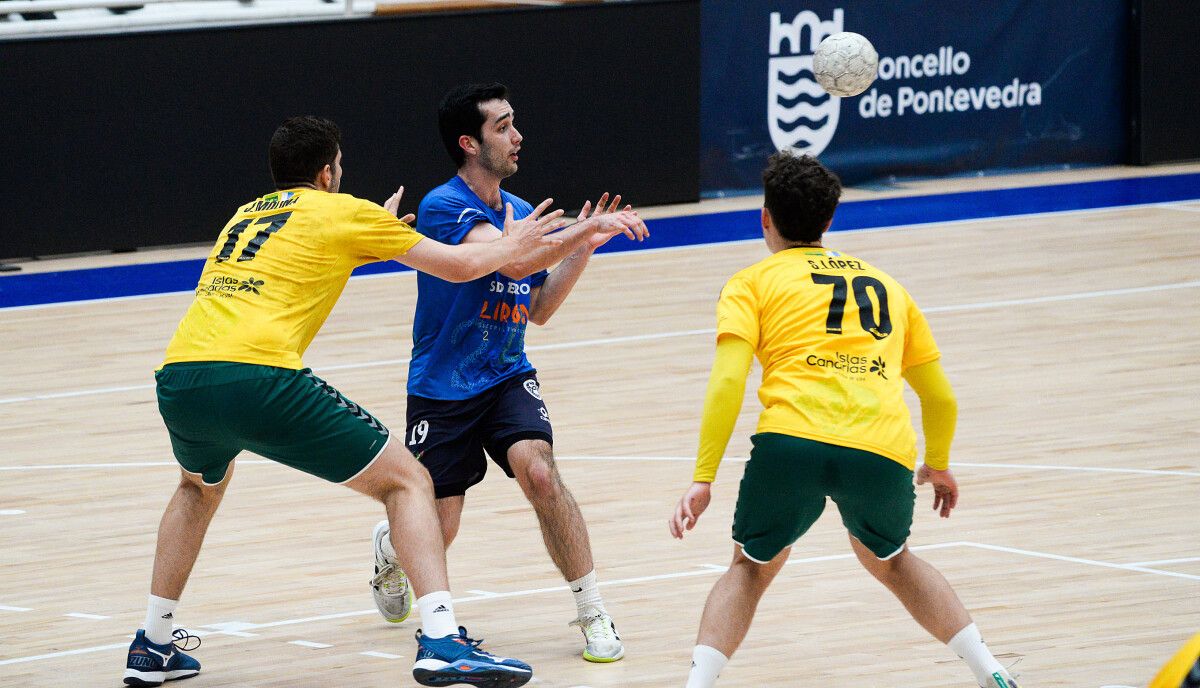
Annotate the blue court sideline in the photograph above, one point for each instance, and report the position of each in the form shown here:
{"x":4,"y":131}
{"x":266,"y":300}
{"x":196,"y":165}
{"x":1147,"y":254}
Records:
{"x":181,"y":276}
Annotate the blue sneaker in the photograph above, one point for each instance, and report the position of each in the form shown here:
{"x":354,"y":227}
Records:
{"x":150,"y":664}
{"x":458,"y":659}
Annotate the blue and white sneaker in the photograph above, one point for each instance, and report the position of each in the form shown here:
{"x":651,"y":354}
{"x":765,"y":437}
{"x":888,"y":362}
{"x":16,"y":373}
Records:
{"x":458,"y":659}
{"x":150,"y":664}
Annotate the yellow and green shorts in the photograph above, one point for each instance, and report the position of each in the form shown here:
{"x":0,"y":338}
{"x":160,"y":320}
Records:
{"x":215,"y":410}
{"x":786,"y":482}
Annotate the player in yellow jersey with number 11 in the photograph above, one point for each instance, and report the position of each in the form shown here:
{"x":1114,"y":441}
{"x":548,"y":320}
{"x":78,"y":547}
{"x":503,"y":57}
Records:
{"x":836,"y":338}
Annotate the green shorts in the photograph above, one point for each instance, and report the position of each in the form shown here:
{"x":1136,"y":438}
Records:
{"x":786,"y":482}
{"x":214,"y":410}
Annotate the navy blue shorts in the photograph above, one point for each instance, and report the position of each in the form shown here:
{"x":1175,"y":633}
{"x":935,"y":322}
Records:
{"x":449,"y":438}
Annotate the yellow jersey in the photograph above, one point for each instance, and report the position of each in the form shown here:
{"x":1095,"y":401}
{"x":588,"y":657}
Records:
{"x":275,"y":272}
{"x":1176,"y":671}
{"x":834,"y":335}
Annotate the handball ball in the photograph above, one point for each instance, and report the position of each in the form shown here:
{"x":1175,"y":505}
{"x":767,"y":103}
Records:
{"x":845,"y":64}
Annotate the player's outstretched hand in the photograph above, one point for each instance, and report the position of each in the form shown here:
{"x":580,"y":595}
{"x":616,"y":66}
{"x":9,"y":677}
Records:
{"x":392,"y":205}
{"x":624,"y":222}
{"x":690,"y":507}
{"x":945,"y":488}
{"x":531,"y":230}
{"x":602,"y":207}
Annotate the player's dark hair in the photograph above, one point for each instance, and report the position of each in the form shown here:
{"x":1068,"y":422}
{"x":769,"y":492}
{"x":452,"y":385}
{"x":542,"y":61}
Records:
{"x":459,"y":113}
{"x":801,"y":195}
{"x":300,"y":148}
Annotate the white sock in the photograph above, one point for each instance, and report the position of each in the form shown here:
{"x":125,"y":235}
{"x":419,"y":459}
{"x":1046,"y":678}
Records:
{"x":587,"y":593}
{"x":160,"y":620}
{"x":707,"y":662}
{"x":437,"y":614}
{"x":969,"y":645}
{"x":386,"y":546}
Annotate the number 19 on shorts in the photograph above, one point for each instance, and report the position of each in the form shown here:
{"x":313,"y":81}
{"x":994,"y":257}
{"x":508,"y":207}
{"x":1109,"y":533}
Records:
{"x":419,"y":433}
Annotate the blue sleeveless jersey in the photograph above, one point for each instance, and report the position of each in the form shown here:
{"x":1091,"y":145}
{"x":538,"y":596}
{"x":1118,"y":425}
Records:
{"x":467,"y":337}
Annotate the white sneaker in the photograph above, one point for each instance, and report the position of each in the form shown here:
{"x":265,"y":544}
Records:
{"x":1002,"y":679}
{"x":393,"y":595}
{"x":603,"y":643}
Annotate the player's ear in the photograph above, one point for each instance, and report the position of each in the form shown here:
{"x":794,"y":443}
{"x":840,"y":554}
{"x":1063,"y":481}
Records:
{"x":325,"y":178}
{"x":766,"y":218}
{"x":468,"y":144}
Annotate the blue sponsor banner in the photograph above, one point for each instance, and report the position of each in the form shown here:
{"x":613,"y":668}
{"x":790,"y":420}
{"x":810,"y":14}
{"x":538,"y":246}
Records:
{"x":961,"y":87}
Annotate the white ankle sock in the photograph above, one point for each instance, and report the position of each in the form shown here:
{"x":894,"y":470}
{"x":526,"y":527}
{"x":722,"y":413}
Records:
{"x":707,"y":662}
{"x":386,"y":546}
{"x":969,"y":645}
{"x":160,"y":620}
{"x":587,"y":593}
{"x":437,"y":614}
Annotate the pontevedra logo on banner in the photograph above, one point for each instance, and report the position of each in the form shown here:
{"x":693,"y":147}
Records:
{"x":940,"y":65}
{"x":800,"y":114}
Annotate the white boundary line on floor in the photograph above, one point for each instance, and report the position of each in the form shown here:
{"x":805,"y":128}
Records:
{"x":1178,"y":205}
{"x":701,"y":570}
{"x":1156,"y":562}
{"x":980,"y":305}
{"x":676,"y":459}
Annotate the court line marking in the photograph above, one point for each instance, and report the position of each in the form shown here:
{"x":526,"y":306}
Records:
{"x":6,"y":608}
{"x":461,"y":600}
{"x":981,"y":305}
{"x":1178,"y":205}
{"x":1085,"y":469}
{"x":81,"y":615}
{"x":380,"y":655}
{"x":703,"y":570}
{"x":309,"y":643}
{"x":955,"y":464}
{"x":64,"y":653}
{"x":11,"y":512}
{"x":673,"y":459}
{"x":1078,"y":560}
{"x":1156,"y":562}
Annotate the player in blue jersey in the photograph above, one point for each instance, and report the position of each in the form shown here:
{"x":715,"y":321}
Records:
{"x":471,"y":388}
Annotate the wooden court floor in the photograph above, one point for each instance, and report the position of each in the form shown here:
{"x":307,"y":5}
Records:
{"x":1071,"y":340}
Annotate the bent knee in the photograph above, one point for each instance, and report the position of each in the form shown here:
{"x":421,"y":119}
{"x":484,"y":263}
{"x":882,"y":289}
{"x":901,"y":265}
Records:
{"x":883,"y":569}
{"x":759,"y":573}
{"x":541,"y":481}
{"x":195,"y":486}
{"x":538,"y":475}
{"x":395,"y":472}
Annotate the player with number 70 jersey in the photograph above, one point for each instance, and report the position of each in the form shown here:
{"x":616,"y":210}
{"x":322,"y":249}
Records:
{"x":858,"y":330}
{"x":837,"y":339}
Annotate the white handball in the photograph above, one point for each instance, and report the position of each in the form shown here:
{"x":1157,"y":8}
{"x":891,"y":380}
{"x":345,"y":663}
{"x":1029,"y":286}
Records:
{"x":845,"y":64}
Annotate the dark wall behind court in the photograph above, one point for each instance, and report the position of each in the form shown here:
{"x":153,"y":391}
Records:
{"x":117,"y":142}
{"x":1165,"y":70}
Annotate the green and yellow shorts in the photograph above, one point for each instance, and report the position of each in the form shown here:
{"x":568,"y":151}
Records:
{"x":786,"y":482}
{"x":215,"y":410}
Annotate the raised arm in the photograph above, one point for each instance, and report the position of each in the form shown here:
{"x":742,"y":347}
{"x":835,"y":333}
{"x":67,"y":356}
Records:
{"x":466,"y":262}
{"x":550,"y":295}
{"x":588,"y":231}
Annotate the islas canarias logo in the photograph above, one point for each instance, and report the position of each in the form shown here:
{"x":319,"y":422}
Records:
{"x":800,"y":114}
